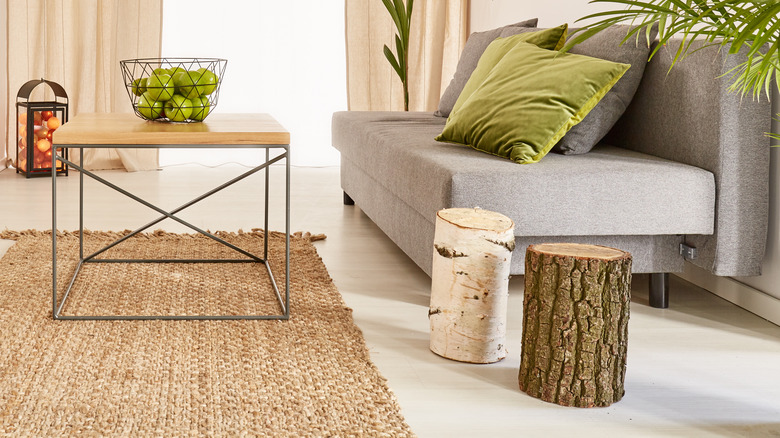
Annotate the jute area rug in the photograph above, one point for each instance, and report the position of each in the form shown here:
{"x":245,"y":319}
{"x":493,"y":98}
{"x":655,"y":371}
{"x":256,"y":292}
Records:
{"x":308,"y":376}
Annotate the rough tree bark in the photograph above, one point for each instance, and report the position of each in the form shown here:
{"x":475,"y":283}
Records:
{"x":575,"y":324}
{"x":469,"y":288}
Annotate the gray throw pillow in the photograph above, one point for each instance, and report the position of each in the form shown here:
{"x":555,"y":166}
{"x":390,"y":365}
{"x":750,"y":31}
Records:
{"x":472,"y":51}
{"x":606,"y":45}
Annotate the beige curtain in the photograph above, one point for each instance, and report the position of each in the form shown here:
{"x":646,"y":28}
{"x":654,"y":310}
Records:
{"x":78,"y":44}
{"x":4,"y":154}
{"x":438,"y":34}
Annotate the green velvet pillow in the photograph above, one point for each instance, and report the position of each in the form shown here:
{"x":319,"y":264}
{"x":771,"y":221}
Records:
{"x":529,"y":100}
{"x":553,"y":39}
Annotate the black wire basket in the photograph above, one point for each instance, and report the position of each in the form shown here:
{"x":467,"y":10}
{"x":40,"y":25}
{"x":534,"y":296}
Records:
{"x":183,"y":90}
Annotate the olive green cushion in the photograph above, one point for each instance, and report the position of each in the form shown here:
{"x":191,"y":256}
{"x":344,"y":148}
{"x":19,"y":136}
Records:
{"x":529,"y":100}
{"x":553,"y":39}
{"x":475,"y":46}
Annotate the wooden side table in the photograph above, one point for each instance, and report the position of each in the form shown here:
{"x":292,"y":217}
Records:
{"x":575,"y":323}
{"x":259,"y":131}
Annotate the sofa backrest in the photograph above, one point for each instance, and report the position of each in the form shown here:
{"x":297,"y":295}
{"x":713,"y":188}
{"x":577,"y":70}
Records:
{"x":687,"y":114}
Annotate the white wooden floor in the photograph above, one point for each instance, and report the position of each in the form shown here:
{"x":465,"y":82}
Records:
{"x":703,"y":368}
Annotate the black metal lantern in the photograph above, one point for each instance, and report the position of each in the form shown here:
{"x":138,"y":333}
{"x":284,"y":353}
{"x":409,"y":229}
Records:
{"x":36,"y":122}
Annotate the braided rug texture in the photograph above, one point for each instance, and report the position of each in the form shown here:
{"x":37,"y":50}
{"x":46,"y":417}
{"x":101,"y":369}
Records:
{"x":308,"y":376}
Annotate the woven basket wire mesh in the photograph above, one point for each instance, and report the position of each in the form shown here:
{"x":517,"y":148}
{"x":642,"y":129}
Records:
{"x":182,"y":90}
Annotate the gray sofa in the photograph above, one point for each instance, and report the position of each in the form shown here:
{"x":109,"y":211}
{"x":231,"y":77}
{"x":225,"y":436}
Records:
{"x":684,"y":174}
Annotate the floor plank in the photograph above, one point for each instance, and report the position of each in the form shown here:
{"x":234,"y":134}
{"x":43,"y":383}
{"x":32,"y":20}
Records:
{"x":703,"y":367}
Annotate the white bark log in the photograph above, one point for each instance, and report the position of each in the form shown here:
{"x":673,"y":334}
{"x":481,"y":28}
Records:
{"x":470,"y":281}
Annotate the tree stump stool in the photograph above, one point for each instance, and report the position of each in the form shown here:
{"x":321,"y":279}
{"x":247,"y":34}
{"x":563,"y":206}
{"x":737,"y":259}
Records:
{"x":470,"y":282}
{"x":575,"y":323}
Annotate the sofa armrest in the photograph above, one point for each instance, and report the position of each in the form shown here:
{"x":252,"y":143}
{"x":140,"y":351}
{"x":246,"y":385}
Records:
{"x":687,"y":114}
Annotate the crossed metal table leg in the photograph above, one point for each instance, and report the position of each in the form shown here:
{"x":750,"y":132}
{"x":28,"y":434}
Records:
{"x":283,"y":299}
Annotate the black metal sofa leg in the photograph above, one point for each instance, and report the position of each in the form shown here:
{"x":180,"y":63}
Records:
{"x":659,"y":290}
{"x":348,"y":200}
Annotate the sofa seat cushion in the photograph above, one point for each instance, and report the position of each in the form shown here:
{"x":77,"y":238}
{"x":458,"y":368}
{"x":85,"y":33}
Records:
{"x":610,"y":191}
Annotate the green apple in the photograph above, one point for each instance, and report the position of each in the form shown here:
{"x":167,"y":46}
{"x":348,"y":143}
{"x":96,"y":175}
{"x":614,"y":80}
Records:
{"x":159,"y":87}
{"x":200,"y":108}
{"x":173,"y":70}
{"x":185,"y":84}
{"x":178,"y":108}
{"x":148,"y":108}
{"x":139,"y":86}
{"x":207,"y":82}
{"x":161,"y":71}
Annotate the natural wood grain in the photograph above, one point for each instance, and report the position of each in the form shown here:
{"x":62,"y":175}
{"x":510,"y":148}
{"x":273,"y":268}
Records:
{"x":485,"y":220}
{"x":469,"y":284}
{"x":581,"y":251}
{"x":111,"y":130}
{"x":575,"y":324}
{"x":702,"y":368}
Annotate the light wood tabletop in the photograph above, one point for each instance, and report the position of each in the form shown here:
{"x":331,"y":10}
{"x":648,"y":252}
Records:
{"x":115,"y":129}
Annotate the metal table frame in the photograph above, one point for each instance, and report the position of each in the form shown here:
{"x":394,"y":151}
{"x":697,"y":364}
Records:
{"x":283,"y":299}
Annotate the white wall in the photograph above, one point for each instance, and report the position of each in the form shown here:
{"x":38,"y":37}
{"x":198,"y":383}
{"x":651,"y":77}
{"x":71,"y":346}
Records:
{"x":286,"y":58}
{"x":488,"y":14}
{"x":759,"y":294}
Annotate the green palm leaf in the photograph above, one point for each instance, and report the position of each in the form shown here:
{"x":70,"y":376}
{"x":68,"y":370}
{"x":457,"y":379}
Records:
{"x":393,"y":13}
{"x":732,"y":24}
{"x":393,"y":62}
{"x":402,"y":18}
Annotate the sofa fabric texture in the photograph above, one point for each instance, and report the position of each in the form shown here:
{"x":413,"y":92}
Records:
{"x":408,"y":229}
{"x":472,"y":51}
{"x":688,"y":115}
{"x":608,"y":191}
{"x":687,"y":162}
{"x":607,"y":45}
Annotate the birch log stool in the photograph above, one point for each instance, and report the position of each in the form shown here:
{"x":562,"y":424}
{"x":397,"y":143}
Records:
{"x":470,"y":282}
{"x":575,"y":324}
